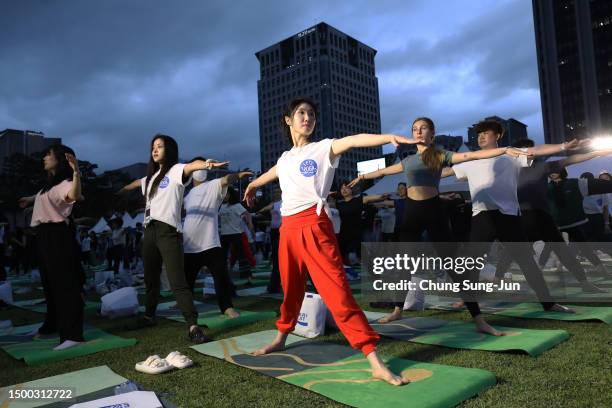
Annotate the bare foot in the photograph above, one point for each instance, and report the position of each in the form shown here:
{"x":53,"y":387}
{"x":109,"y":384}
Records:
{"x":458,"y":305}
{"x":483,"y":327}
{"x":278,"y":344}
{"x":231,"y":313}
{"x":395,"y":315}
{"x":381,"y":372}
{"x":559,"y":308}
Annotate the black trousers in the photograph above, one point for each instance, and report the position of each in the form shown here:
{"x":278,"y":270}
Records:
{"x":539,"y":225}
{"x":163,"y":244}
{"x":585,"y":249}
{"x":430,"y":216}
{"x":62,"y":280}
{"x":488,"y":226}
{"x":213,"y":259}
{"x":234,"y":242}
{"x":275,"y":284}
{"x":117,"y":256}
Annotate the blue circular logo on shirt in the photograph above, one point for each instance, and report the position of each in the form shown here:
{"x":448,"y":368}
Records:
{"x":164,"y":182}
{"x":308,"y":168}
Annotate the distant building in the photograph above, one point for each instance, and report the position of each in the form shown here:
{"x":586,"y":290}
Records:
{"x":135,"y":171}
{"x":513,"y":130}
{"x":574,"y":66}
{"x":26,"y":142}
{"x":333,"y":69}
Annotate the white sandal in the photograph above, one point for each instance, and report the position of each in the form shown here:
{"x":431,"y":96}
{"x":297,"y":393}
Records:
{"x":153,"y":365}
{"x":179,"y":360}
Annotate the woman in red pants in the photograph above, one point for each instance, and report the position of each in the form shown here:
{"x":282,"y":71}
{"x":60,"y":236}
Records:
{"x":307,"y":240}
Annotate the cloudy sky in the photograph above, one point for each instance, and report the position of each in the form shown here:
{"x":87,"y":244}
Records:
{"x":106,"y":75}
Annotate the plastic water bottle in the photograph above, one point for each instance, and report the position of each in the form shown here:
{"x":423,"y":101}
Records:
{"x":126,"y":387}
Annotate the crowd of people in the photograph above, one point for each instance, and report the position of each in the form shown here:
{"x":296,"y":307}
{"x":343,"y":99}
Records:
{"x":306,"y":230}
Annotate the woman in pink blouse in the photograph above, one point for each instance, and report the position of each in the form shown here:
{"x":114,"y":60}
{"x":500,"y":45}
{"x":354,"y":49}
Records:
{"x":61,"y":276}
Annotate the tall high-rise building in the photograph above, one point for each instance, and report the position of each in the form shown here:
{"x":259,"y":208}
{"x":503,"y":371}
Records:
{"x":333,"y":69}
{"x":513,"y":130}
{"x":26,"y":142}
{"x":574,"y":46}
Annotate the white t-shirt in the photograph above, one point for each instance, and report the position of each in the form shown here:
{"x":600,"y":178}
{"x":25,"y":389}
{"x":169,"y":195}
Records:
{"x":166,"y":205}
{"x":305,"y":175}
{"x":275,"y":215}
{"x":594,"y":204}
{"x":334,"y":215}
{"x":118,"y":236}
{"x":201,"y":227}
{"x":230,"y":220}
{"x":493,"y":182}
{"x":387,"y":220}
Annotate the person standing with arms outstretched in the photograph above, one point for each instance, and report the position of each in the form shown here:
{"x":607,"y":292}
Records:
{"x":308,"y":244}
{"x":163,"y":189}
{"x":61,"y":275}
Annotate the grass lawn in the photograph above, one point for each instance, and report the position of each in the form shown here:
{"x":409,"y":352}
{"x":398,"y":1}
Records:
{"x":576,"y":373}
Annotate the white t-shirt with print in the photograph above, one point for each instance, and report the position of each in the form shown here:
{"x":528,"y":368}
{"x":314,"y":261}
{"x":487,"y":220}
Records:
{"x":201,"y":226}
{"x":493,"y":182}
{"x":230,"y":219}
{"x":166,"y":205}
{"x":305,"y":175}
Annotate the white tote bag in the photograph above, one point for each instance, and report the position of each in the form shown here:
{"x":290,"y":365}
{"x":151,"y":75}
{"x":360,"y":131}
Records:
{"x":311,"y":322}
{"x":122,"y":302}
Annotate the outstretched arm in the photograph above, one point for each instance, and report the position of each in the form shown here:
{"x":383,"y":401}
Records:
{"x":75,"y":192}
{"x":550,"y":149}
{"x":479,"y":154}
{"x":266,"y":208}
{"x":344,"y":144}
{"x":374,"y":198}
{"x":231,"y":178}
{"x":387,"y":171}
{"x":260,"y":181}
{"x":201,"y":165}
{"x":579,"y":158}
{"x":133,"y":185}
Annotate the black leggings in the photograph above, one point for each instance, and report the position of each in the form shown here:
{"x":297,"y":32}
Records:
{"x":213,"y":259}
{"x":274,"y":286}
{"x":62,"y":280}
{"x":538,"y":225}
{"x":493,"y":224}
{"x":585,"y":249}
{"x":430,"y":216}
{"x":234,"y":242}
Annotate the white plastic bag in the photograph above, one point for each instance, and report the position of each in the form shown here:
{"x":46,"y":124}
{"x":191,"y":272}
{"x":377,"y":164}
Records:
{"x":311,"y":322}
{"x":6,"y":292}
{"x":103,"y":276}
{"x":415,"y":299}
{"x":209,"y":286}
{"x":122,"y":302}
{"x":35,"y":275}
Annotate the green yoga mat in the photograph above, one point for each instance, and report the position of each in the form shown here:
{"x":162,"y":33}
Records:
{"x":18,"y":334}
{"x":462,"y":335}
{"x":254,"y":282}
{"x":342,"y":374}
{"x":83,"y":382}
{"x":40,"y":351}
{"x":210,"y":316}
{"x":535,"y":311}
{"x":34,"y":306}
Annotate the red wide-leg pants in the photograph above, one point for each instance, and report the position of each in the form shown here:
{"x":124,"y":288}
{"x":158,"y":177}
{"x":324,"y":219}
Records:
{"x":308,"y":245}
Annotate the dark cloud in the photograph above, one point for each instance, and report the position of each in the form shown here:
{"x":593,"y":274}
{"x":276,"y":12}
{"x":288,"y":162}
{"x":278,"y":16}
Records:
{"x":105,"y":76}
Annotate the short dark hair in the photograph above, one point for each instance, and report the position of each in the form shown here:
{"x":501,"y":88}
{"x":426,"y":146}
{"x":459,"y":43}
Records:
{"x":401,"y":183}
{"x":522,"y":143}
{"x":490,"y":124}
{"x":587,"y":175}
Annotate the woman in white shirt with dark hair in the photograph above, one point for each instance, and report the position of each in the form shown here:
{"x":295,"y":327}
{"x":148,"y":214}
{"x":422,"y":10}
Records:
{"x":308,"y":244}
